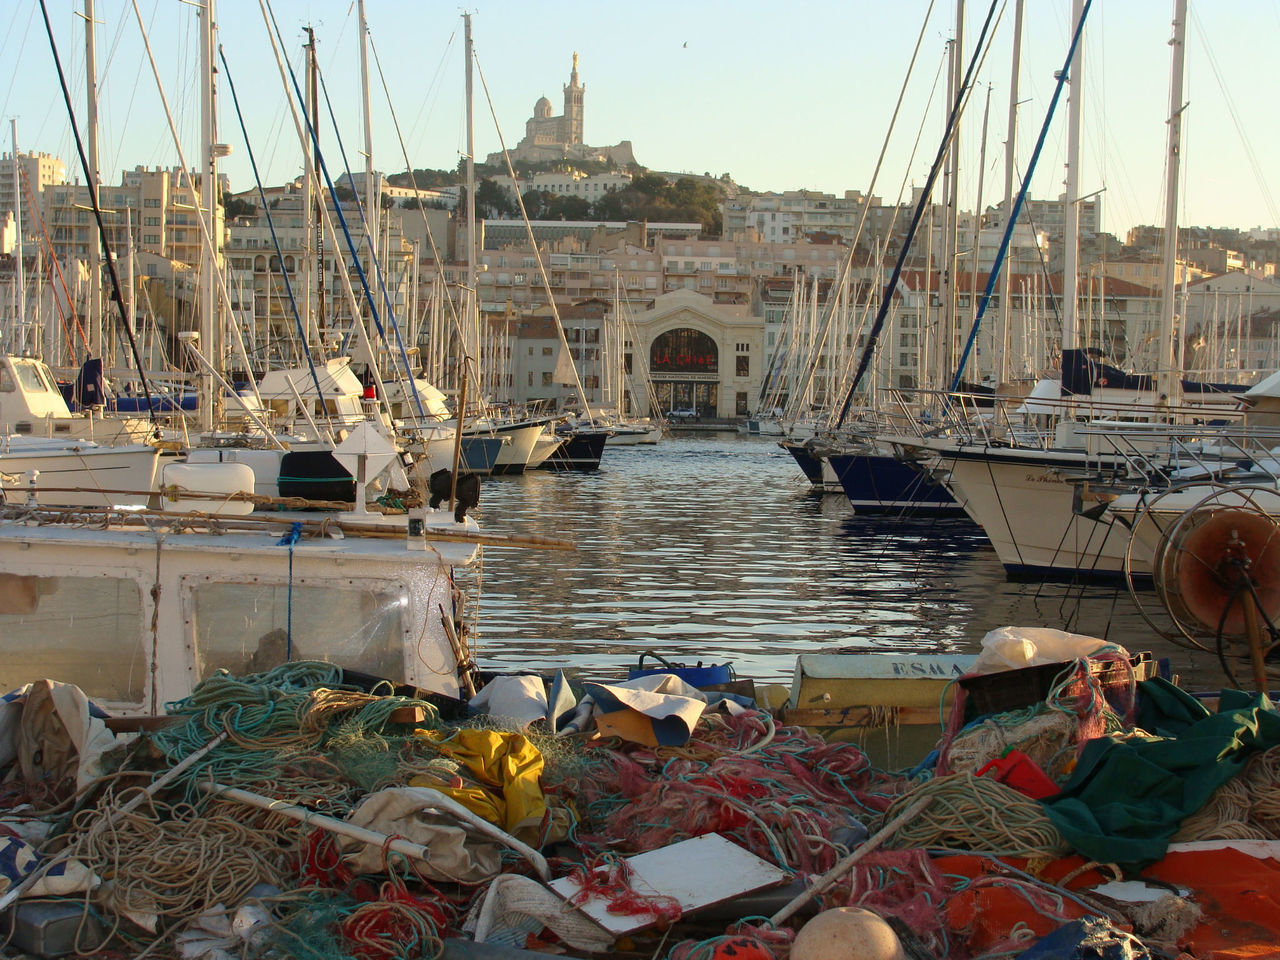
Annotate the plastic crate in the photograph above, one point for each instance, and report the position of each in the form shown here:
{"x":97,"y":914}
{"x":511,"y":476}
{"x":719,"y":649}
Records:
{"x":1014,"y":689}
{"x":696,"y":676}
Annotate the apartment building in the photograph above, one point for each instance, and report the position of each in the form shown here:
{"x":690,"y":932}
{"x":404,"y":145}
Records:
{"x":37,"y":172}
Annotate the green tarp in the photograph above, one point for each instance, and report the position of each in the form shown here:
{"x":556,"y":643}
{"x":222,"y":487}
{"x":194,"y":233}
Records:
{"x":1126,"y":798}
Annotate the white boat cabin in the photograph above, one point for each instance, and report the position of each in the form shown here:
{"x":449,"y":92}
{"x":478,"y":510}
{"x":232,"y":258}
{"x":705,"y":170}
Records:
{"x":137,"y":613}
{"x":32,"y":406}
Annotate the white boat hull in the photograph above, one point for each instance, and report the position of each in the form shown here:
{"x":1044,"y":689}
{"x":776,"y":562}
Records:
{"x":73,"y":475}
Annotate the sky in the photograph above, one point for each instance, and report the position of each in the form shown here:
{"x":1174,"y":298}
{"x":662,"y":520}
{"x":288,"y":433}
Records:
{"x":780,"y":95}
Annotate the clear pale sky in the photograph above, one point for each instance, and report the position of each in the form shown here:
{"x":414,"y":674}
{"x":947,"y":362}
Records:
{"x":781,"y":95}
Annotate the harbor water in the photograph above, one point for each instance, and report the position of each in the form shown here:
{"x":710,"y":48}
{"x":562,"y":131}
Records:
{"x":713,"y":548}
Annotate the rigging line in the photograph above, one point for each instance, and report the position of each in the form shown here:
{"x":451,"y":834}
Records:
{"x":994,"y":272}
{"x":97,"y":215}
{"x":866,"y":208}
{"x":873,"y":336}
{"x":275,"y":239}
{"x":435,"y":252}
{"x":57,"y":271}
{"x":429,"y":102}
{"x":133,"y":94}
{"x":1235,"y":119}
{"x":537,"y":253}
{"x":374,"y":260}
{"x":902,"y":188}
{"x":13,"y":78}
{"x":277,"y":42}
{"x":210,"y":259}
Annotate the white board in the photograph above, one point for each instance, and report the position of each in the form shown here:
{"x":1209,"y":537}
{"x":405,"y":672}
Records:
{"x":695,"y":873}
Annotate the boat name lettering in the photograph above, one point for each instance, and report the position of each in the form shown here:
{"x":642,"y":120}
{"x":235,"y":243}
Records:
{"x":915,"y":668}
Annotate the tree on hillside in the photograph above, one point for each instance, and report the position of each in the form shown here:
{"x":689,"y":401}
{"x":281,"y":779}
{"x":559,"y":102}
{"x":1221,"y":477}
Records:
{"x":493,"y":202}
{"x":236,"y":207}
{"x":425,"y":179}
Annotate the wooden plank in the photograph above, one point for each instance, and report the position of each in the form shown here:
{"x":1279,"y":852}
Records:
{"x":872,"y":717}
{"x":136,"y":724}
{"x":696,"y":873}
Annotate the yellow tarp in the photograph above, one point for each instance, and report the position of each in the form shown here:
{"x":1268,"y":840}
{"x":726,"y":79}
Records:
{"x":507,"y":773}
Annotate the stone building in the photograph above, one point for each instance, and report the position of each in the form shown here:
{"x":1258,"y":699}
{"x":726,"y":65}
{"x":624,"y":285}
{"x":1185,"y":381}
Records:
{"x":548,"y":137}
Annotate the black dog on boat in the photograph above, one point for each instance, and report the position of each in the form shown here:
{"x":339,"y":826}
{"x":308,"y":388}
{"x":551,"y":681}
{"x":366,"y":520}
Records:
{"x":468,"y":492}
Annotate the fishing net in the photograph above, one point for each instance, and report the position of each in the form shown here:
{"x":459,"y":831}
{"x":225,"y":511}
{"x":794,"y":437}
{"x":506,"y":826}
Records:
{"x":783,"y":794}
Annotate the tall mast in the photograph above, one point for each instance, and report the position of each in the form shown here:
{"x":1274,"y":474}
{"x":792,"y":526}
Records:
{"x":95,"y":246}
{"x":471,"y":201}
{"x":371,"y":204}
{"x":210,"y":347}
{"x":20,"y":277}
{"x":208,"y":296}
{"x":953,"y":199}
{"x":1010,"y":162}
{"x":1170,"y":367}
{"x":1071,"y":215}
{"x":129,"y":313}
{"x":313,"y":92}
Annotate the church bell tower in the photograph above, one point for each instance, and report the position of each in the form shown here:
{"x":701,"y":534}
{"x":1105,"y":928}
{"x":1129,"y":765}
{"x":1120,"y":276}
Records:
{"x":573,"y":106}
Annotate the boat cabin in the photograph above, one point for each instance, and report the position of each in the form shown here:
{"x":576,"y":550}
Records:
{"x":139,"y":612}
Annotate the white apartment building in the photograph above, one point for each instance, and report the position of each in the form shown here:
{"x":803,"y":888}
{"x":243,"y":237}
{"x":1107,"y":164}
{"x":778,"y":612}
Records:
{"x":793,"y":214}
{"x":37,"y":172}
{"x":572,"y":184}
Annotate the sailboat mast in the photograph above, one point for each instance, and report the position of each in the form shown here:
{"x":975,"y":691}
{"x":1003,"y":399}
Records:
{"x":953,"y":198}
{"x":371,"y":203}
{"x":95,"y":246}
{"x":19,"y":276}
{"x":1071,"y":218}
{"x":317,"y":197}
{"x":1010,"y":162}
{"x":474,"y":314}
{"x":1170,"y":367}
{"x":210,"y":347}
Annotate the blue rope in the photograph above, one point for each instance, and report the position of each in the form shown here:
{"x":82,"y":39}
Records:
{"x":886,"y":301}
{"x":994,"y":273}
{"x":290,"y":539}
{"x":373,"y":258}
{"x":342,"y":220}
{"x":275,"y":240}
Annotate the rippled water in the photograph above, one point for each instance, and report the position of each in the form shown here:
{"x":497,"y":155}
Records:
{"x":713,"y":548}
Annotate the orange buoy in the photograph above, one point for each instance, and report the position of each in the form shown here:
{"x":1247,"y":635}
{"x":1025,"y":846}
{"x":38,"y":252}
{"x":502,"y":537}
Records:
{"x":847,"y":933}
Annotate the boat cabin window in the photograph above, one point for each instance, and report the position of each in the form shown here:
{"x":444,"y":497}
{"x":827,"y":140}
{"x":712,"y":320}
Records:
{"x":30,"y":377}
{"x":80,"y":630}
{"x":7,"y":384}
{"x":245,"y":627}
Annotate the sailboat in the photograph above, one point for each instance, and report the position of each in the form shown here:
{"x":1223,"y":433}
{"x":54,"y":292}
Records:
{"x":1026,"y":487}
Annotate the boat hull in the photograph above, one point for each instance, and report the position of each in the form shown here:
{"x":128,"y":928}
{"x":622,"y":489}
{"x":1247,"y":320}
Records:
{"x":580,"y":452}
{"x":84,"y":476}
{"x":1028,"y":507}
{"x":878,"y":483}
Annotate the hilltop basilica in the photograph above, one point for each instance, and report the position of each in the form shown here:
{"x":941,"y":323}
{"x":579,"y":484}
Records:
{"x":548,"y":137}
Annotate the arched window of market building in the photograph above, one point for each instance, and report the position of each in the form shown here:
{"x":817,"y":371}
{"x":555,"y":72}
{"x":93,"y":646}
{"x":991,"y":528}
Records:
{"x":684,"y":366}
{"x":684,"y":350}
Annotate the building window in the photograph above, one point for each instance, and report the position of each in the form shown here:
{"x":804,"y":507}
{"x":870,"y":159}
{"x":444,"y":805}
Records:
{"x":547,"y":351}
{"x":744,"y":366}
{"x":546,"y":378}
{"x":740,"y":404}
{"x":151,"y":201}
